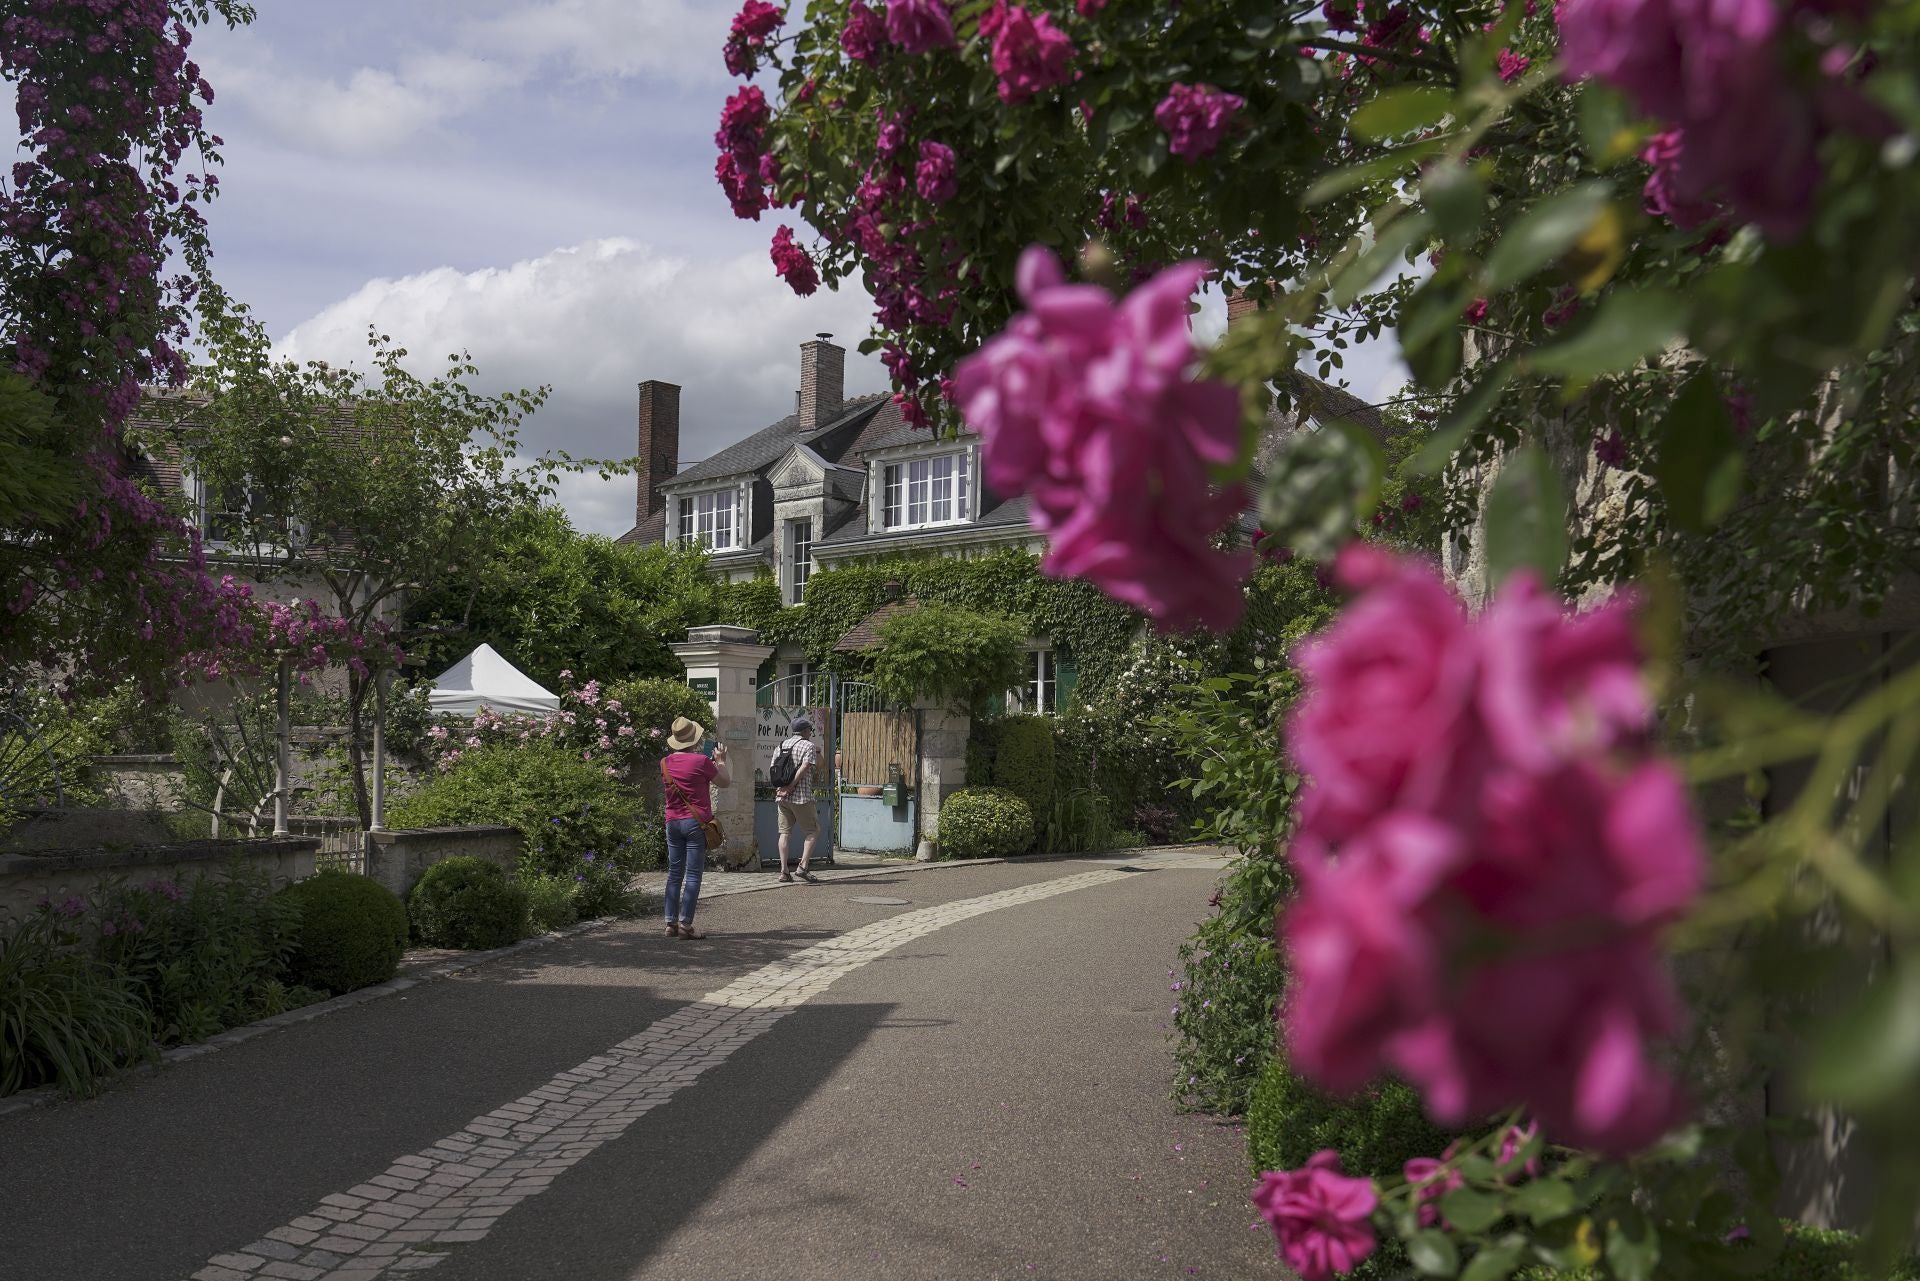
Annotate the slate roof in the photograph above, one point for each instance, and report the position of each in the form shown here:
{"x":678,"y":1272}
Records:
{"x":770,"y":444}
{"x":866,"y":633}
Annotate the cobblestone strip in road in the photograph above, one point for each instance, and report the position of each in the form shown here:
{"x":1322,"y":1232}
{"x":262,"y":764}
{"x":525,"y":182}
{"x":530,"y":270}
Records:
{"x":412,"y":1214}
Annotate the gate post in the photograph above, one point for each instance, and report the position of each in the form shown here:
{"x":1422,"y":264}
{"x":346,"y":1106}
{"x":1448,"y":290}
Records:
{"x":943,"y":762}
{"x":723,"y":663}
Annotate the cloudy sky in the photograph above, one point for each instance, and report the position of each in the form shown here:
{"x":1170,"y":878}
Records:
{"x":527,"y":180}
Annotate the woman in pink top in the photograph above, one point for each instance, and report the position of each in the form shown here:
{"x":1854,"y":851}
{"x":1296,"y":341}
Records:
{"x":686,"y":775}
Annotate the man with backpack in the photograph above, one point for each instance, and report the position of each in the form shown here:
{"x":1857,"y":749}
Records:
{"x":792,"y":777}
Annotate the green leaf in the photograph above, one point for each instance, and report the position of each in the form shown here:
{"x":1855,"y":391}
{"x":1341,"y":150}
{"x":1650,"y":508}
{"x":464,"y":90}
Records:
{"x":1630,"y":324}
{"x":1468,"y":413}
{"x":1470,"y":1211}
{"x":1401,"y":110}
{"x":1320,"y":485}
{"x":1544,"y":1199}
{"x":1493,"y":1263}
{"x":1633,"y":1246}
{"x":1526,"y":517}
{"x":1543,"y":234}
{"x":1433,"y":1253}
{"x":1871,"y":1051}
{"x":1607,"y":126}
{"x":1457,"y":197}
{"x":1699,"y":464}
{"x":1380,"y":168}
{"x":1388,"y":250}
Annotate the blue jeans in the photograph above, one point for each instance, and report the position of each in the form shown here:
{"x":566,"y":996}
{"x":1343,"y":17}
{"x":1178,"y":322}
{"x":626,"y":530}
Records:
{"x":686,"y":861}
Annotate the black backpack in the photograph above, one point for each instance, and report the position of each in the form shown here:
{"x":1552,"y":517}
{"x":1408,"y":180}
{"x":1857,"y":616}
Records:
{"x":781,"y":772}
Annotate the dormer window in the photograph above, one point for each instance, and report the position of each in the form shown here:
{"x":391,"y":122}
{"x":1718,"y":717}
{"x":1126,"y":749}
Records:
{"x":708,"y":519}
{"x":926,"y":491}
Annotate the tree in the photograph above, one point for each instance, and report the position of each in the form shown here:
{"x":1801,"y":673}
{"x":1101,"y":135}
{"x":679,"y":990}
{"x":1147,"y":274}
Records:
{"x":375,"y":488}
{"x":551,"y":599}
{"x":953,"y":656}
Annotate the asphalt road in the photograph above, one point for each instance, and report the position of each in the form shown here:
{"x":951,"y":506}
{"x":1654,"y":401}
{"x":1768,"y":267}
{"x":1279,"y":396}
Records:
{"x":986,"y":1099}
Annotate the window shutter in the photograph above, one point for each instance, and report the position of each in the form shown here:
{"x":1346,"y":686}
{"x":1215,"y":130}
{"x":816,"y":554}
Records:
{"x":1067,"y":675}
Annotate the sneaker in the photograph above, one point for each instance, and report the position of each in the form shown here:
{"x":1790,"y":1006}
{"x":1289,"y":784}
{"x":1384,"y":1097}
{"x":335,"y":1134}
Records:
{"x":808,"y":877}
{"x":788,"y":877}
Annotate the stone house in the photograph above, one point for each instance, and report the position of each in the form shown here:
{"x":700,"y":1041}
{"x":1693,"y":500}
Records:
{"x":839,"y":479}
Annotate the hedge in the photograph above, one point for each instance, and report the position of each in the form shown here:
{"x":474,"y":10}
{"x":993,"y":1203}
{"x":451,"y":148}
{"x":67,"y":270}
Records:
{"x":1023,"y":762}
{"x":984,"y":822}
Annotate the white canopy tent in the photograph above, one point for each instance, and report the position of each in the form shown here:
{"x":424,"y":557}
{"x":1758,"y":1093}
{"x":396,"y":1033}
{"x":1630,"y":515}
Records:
{"x":484,"y":679}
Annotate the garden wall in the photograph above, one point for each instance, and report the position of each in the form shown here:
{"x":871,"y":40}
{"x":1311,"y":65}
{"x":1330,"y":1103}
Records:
{"x":25,"y":879}
{"x":140,"y":782}
{"x":397,"y":859}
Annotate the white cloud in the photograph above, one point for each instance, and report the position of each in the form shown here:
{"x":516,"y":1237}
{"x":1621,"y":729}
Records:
{"x":370,"y":110}
{"x":593,"y":320}
{"x":674,"y":39}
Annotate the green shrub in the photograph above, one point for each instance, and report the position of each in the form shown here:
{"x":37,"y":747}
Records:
{"x":1376,"y":1133}
{"x":1024,"y":763}
{"x":552,"y":902}
{"x":1810,"y":1254}
{"x":203,"y":955}
{"x":653,"y":704}
{"x":468,"y":903}
{"x":65,"y":1018}
{"x":1223,"y":1024}
{"x":954,"y":656}
{"x":352,"y":932}
{"x":984,"y":822}
{"x":563,"y":808}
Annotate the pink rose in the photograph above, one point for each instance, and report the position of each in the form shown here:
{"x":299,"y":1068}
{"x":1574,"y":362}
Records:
{"x":1319,"y":1216}
{"x":1088,"y":406}
{"x":1195,"y":118}
{"x":864,"y":37}
{"x":919,"y":25}
{"x":1029,"y":53}
{"x":1431,"y":1179}
{"x":933,"y":176}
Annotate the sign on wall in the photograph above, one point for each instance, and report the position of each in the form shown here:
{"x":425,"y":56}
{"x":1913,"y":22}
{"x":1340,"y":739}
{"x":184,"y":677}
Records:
{"x":774,"y":726}
{"x":707,"y":687}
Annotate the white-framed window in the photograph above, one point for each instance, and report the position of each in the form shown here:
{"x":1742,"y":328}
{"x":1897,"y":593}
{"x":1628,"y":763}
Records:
{"x":708,"y":519}
{"x":926,"y":491}
{"x":1040,"y":694}
{"x":225,"y":512}
{"x":802,"y":688}
{"x":799,"y":558}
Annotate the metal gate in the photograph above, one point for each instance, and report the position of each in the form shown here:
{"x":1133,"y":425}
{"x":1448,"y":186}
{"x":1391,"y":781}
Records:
{"x":876,"y":770}
{"x":778,"y":704}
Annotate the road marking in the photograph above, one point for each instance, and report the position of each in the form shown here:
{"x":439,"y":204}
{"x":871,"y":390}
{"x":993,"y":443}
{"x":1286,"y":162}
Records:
{"x":415,"y":1212}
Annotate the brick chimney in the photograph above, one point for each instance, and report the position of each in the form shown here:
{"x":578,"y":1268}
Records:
{"x":659,"y":450}
{"x":1239,"y":306}
{"x":823,"y":381}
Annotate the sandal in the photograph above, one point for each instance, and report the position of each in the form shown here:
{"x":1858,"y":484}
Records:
{"x":688,"y":932}
{"x":673,"y":929}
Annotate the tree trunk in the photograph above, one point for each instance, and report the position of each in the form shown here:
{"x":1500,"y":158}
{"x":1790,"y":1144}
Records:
{"x":357,"y":689}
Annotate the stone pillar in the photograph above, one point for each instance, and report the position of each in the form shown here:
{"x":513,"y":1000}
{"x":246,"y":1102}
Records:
{"x":723,"y":663}
{"x":943,"y":763}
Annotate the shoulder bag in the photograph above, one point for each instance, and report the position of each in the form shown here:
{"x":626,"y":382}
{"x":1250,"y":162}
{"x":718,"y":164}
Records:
{"x":709,"y":827}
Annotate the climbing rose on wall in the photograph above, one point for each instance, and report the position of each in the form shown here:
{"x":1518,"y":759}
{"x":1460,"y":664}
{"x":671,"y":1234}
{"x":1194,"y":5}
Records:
{"x":933,"y":176}
{"x":1319,"y":1216}
{"x":1487,"y":852}
{"x":1087,"y":405}
{"x":1195,"y":118}
{"x":751,"y":26}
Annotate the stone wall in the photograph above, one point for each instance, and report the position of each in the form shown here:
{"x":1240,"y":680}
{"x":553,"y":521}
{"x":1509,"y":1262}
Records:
{"x":26,"y":879}
{"x":397,"y":859}
{"x":139,"y":782}
{"x":943,"y":762}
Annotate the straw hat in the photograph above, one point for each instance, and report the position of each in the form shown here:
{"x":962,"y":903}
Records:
{"x":686,"y":734}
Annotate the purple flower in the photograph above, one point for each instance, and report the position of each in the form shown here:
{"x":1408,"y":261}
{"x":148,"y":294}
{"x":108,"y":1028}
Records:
{"x":1195,"y":118}
{"x":933,"y":176}
{"x":918,"y":26}
{"x":751,"y":26}
{"x":796,"y":267}
{"x":864,"y":37}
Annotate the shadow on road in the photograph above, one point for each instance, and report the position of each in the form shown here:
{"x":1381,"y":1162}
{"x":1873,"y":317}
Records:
{"x":616,"y":1210}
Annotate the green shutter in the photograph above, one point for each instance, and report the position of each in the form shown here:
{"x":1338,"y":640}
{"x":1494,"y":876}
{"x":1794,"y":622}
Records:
{"x":1066,"y":676}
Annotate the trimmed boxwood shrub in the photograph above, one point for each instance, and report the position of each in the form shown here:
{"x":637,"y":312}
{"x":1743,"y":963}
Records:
{"x":1023,"y":762}
{"x":984,"y":822}
{"x":468,"y":903}
{"x":351,"y":934}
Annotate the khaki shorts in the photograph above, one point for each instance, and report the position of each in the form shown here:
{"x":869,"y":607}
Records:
{"x":797,"y":816}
